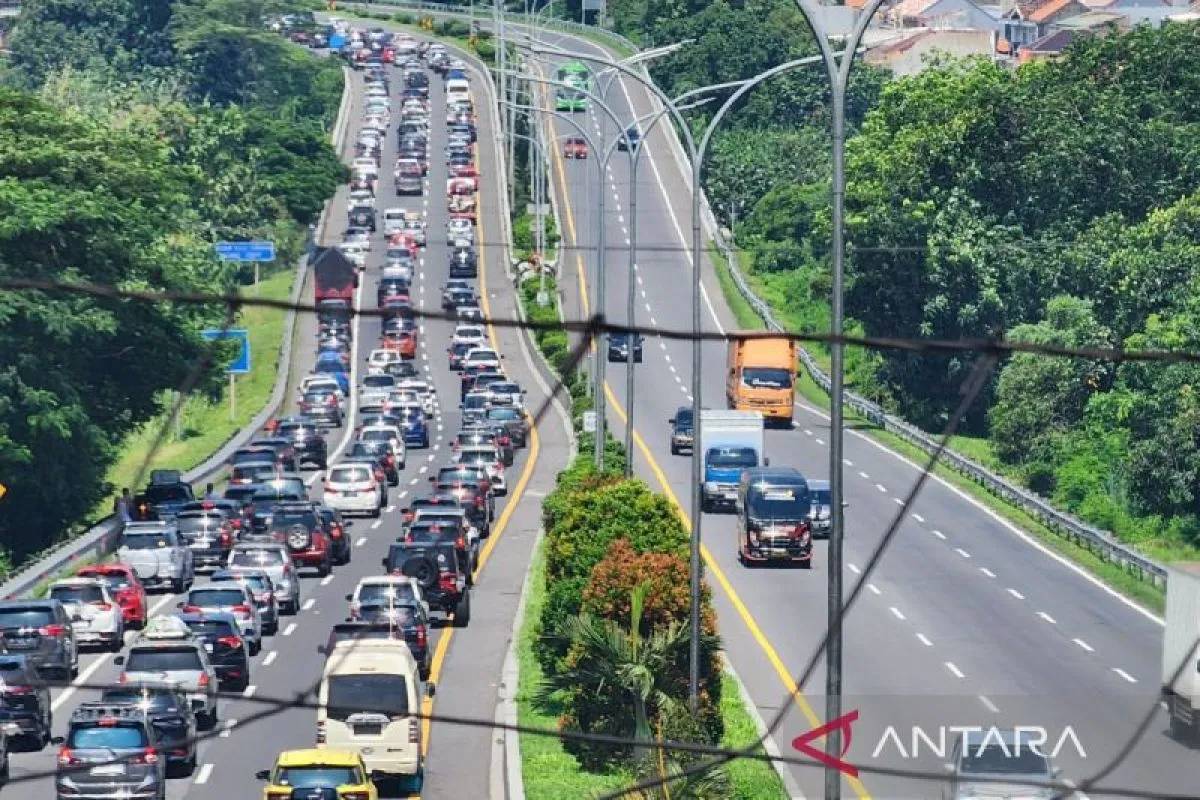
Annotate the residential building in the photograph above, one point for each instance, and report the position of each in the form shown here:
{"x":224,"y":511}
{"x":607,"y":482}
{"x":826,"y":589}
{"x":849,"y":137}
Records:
{"x":1029,"y":20}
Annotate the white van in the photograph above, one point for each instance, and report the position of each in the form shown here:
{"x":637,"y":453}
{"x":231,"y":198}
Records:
{"x":458,"y":91}
{"x":370,"y":692}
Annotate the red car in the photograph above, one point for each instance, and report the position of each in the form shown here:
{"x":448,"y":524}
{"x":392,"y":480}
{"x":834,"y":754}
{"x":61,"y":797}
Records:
{"x":575,"y":147}
{"x":388,"y":56}
{"x":126,"y":589}
{"x":403,"y":342}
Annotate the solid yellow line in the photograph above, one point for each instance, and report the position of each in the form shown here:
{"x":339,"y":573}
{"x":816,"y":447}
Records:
{"x":443,"y":645}
{"x":781,"y":670}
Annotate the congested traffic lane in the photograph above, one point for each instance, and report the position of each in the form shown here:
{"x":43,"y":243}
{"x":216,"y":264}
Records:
{"x":289,"y":664}
{"x":962,"y":607}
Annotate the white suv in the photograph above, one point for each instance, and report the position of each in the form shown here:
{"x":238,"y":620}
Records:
{"x":382,"y":588}
{"x":95,"y":615}
{"x":352,"y":489}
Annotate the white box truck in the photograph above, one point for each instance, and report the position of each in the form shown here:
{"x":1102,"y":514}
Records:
{"x":1181,"y":656}
{"x":730,"y":441}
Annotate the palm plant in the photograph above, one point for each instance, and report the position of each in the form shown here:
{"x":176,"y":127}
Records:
{"x":623,"y":671}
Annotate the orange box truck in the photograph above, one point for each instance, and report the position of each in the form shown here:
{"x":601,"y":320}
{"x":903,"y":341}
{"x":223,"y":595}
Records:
{"x":761,"y":375}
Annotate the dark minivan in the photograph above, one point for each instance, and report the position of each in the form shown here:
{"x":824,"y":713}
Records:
{"x":774,"y":506}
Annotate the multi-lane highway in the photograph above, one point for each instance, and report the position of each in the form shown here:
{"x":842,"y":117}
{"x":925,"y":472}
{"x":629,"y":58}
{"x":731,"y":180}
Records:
{"x":467,"y":662}
{"x":968,"y":621}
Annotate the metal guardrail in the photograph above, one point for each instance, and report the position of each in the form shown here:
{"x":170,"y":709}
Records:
{"x":1100,"y":542}
{"x":101,"y":539}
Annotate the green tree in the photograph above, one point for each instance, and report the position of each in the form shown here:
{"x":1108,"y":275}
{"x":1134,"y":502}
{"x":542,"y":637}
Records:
{"x":1040,"y":399}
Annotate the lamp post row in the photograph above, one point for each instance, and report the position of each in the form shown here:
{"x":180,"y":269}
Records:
{"x":837,"y":66}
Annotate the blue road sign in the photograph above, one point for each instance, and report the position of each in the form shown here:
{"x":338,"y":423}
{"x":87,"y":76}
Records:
{"x":241,"y":362}
{"x":246,"y":251}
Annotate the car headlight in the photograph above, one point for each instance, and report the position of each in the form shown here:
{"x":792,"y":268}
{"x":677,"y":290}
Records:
{"x":711,"y":486}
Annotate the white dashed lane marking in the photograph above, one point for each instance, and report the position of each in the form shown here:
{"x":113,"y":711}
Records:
{"x":1125,"y":675}
{"x":290,"y":629}
{"x":361,"y":541}
{"x":1015,"y":593}
{"x":1084,"y":645}
{"x":924,"y":640}
{"x":269,"y":659}
{"x":308,"y":604}
{"x":954,"y":670}
{"x":203,"y":774}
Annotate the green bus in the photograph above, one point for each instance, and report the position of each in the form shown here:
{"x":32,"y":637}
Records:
{"x":570,"y":100}
{"x":577,"y":75}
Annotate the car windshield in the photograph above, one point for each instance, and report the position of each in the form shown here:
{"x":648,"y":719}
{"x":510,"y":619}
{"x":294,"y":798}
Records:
{"x":368,"y":438}
{"x":145,"y":541}
{"x":683,"y":418}
{"x":1012,"y":759}
{"x":388,"y":615}
{"x":349,"y":475}
{"x":731,"y":457}
{"x":505,"y":413}
{"x":209,"y":598}
{"x":475,"y":401}
{"x":168,"y":493}
{"x":784,"y":503}
{"x":148,"y":699}
{"x":317,"y":777}
{"x":767,"y":378}
{"x":77,"y":594}
{"x":478,"y":457}
{"x":107,"y":737}
{"x":384,"y":592}
{"x":821,"y":497}
{"x":164,"y":659}
{"x":212,"y":627}
{"x":380,"y":693}
{"x":256,"y":558}
{"x":114,"y":580}
{"x":204,"y":522}
{"x":25,"y":617}
{"x":378,"y":381}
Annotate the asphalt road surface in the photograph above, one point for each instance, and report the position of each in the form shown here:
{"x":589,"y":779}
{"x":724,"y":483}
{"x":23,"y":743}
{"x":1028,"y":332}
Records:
{"x":467,"y":662}
{"x":967,"y":621}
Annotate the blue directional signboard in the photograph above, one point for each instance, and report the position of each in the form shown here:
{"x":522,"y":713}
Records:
{"x":246,"y":251}
{"x":241,"y":362}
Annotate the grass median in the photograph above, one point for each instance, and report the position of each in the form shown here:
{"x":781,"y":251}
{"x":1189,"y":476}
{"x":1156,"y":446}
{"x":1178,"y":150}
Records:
{"x":205,"y":424}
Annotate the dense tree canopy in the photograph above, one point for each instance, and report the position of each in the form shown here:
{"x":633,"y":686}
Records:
{"x":135,"y":141}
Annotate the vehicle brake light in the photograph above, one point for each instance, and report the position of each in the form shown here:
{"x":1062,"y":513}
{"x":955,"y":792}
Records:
{"x":190,"y":609}
{"x":17,"y":690}
{"x":101,"y":605}
{"x":204,"y":680}
{"x":479,"y":501}
{"x":147,"y":756}
{"x":225,"y":539}
{"x":230,"y":641}
{"x":460,"y":543}
{"x":446,"y":582}
{"x":337,"y":533}
{"x":355,"y":796}
{"x":66,"y":758}
{"x":242,"y":609}
{"x":52,"y":630}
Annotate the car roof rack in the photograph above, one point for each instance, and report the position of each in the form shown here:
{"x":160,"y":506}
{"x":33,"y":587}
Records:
{"x":97,"y":711}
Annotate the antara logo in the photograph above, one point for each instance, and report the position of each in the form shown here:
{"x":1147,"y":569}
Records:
{"x":937,"y":743}
{"x":920,"y":742}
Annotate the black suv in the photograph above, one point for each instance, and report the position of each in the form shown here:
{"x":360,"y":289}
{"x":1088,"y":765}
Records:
{"x":381,"y":620}
{"x":25,"y":700}
{"x":306,"y":438}
{"x":110,"y":751}
{"x":620,"y":345}
{"x":40,"y":630}
{"x":335,"y":528}
{"x":682,"y":431}
{"x":163,"y":498}
{"x":170,"y":714}
{"x":228,"y":652}
{"x":441,"y":570}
